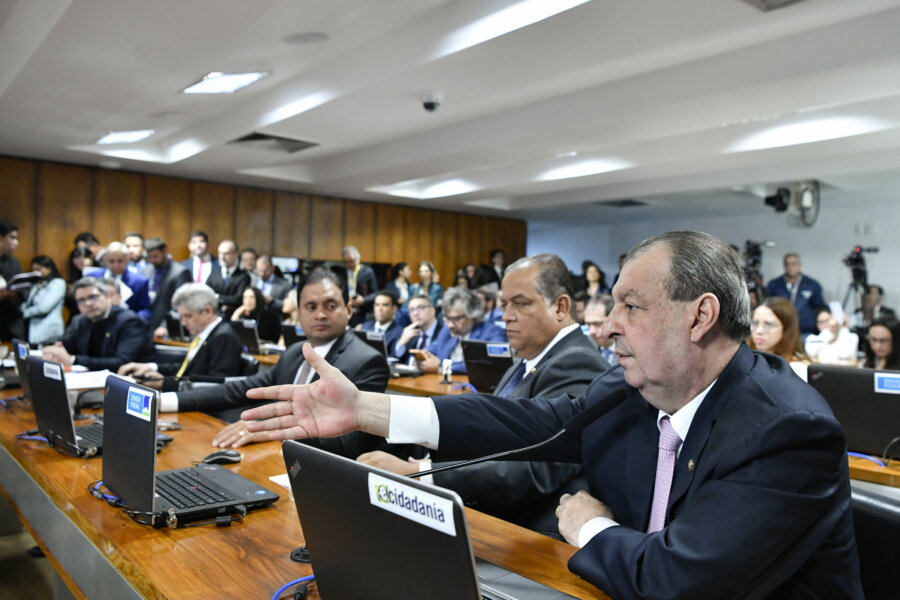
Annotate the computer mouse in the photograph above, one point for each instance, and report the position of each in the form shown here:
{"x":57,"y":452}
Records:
{"x":223,"y":457}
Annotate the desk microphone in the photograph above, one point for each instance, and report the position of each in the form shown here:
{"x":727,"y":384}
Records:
{"x":573,"y":425}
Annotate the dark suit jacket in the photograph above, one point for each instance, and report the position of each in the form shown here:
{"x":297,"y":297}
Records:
{"x":280,"y":289}
{"x":172,"y":276}
{"x":443,"y":344}
{"x":527,"y":493}
{"x":367,"y":287}
{"x":760,"y":501}
{"x":402,"y":352}
{"x":229,"y":291}
{"x":188,"y":264}
{"x":391,"y":334}
{"x":126,"y":339}
{"x":218,"y":356}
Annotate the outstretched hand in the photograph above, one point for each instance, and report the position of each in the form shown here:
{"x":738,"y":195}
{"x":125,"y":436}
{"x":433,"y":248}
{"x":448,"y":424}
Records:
{"x":324,"y":408}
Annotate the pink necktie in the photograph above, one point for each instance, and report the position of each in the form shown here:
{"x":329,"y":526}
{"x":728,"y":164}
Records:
{"x":665,"y":469}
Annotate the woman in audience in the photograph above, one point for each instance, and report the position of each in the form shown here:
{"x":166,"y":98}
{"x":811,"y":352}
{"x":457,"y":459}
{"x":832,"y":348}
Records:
{"x":43,"y":307}
{"x":291,"y":311}
{"x":427,"y":284}
{"x":252,"y":306}
{"x":881,"y":351}
{"x":593,"y":279}
{"x":400,"y":274}
{"x":834,"y":344}
{"x":79,"y":259}
{"x":775,"y":328}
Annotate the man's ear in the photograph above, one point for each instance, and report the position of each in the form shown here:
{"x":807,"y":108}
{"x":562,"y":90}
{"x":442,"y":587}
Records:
{"x":563,"y":307}
{"x":706,"y":314}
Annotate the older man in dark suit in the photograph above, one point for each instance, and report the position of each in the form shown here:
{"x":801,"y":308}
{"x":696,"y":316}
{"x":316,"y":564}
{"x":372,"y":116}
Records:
{"x":229,"y":281}
{"x":716,"y":474}
{"x":165,"y":276}
{"x":555,"y":358}
{"x":103,"y":336}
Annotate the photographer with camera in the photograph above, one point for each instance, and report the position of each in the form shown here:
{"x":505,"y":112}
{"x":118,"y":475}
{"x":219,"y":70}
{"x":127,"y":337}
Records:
{"x":804,"y":292}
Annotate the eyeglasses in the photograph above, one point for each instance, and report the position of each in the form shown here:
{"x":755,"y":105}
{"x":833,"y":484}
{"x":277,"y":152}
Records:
{"x":454,"y":320}
{"x":764,"y":325}
{"x":419,"y":308}
{"x":873,"y":341}
{"x":87,"y":299}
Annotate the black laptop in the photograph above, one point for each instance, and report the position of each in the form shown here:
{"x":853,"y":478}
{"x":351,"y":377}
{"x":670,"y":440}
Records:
{"x":248,"y":334}
{"x":292,"y":334}
{"x":375,"y":339}
{"x":486,"y":362}
{"x":172,"y":497}
{"x":866,"y":402}
{"x":175,"y":328}
{"x":368,"y":530}
{"x":20,"y":351}
{"x":53,"y":415}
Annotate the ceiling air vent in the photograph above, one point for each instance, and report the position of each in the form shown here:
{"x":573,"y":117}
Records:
{"x":264,"y":141}
{"x":627,"y":203}
{"x":767,"y":5}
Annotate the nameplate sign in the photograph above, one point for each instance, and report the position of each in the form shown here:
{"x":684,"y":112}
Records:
{"x":139,"y":403}
{"x":412,"y":503}
{"x":887,"y":383}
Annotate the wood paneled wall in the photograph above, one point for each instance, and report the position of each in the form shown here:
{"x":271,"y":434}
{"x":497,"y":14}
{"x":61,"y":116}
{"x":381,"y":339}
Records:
{"x":52,"y":202}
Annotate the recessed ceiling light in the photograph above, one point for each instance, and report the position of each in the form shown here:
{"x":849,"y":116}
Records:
{"x":420,"y":190}
{"x":125,"y":137}
{"x":223,"y":83}
{"x":806,"y":132}
{"x":519,"y":15}
{"x":307,"y":37}
{"x":583,"y":169}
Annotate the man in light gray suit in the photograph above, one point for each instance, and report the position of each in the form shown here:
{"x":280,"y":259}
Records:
{"x":555,"y":358}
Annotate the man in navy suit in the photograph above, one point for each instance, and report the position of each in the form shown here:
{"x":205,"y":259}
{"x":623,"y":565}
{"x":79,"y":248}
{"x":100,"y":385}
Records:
{"x":229,"y":281}
{"x":422,"y":329}
{"x":719,"y":475}
{"x":200,"y":263}
{"x":137,"y":296}
{"x":385,"y":306}
{"x":103,"y":336}
{"x":463,"y":320}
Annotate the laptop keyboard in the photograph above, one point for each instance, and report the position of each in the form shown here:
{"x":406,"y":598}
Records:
{"x":90,"y":436}
{"x":188,"y":489}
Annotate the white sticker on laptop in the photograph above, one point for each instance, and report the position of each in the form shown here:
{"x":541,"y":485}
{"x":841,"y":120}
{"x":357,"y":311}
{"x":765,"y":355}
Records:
{"x":887,"y":383}
{"x":498,"y":350}
{"x":138,"y":403}
{"x":412,"y":503}
{"x":52,"y":371}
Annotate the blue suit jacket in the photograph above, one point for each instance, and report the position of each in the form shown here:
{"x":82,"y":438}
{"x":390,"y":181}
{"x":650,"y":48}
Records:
{"x":760,"y":501}
{"x":391,"y":334}
{"x":443,"y":344}
{"x":808,"y":299}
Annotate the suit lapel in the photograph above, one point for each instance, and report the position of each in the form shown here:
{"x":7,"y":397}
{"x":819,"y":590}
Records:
{"x":508,"y":374}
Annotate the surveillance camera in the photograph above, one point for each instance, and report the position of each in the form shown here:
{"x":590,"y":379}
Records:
{"x":431,"y":101}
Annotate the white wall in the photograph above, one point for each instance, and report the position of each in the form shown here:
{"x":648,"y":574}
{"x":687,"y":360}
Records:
{"x":821,"y":247}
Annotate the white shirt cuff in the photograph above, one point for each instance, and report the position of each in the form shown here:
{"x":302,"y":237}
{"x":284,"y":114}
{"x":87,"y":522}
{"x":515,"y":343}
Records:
{"x":168,"y":402}
{"x":426,"y":465}
{"x":414,"y":420}
{"x":154,"y":366}
{"x":592,"y":528}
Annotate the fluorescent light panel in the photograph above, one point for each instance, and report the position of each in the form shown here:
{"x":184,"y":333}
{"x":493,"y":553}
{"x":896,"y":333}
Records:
{"x":223,"y":83}
{"x":583,"y":168}
{"x":511,"y":18}
{"x":420,"y":190}
{"x":807,"y":132}
{"x":125,"y":137}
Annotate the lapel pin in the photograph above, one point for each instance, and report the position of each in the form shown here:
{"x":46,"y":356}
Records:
{"x":691,"y":465}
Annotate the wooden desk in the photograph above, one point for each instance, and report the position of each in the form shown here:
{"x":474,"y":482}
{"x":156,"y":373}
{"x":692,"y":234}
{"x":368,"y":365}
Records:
{"x":428,"y":385}
{"x":264,"y":359}
{"x":866,"y":470}
{"x":101,"y":553}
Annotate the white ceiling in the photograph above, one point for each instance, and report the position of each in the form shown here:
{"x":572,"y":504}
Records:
{"x":665,"y":87}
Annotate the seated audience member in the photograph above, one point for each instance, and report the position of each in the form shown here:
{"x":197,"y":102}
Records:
{"x":253,"y":306}
{"x":200,"y":263}
{"x":290,"y":313}
{"x":555,"y":358}
{"x":215,"y":350}
{"x":834,"y":344}
{"x":385,"y":308}
{"x":881,"y":351}
{"x":427,"y":284}
{"x":463,"y":320}
{"x":80,"y":258}
{"x":103,"y":336}
{"x":273,"y":287}
{"x":717,"y":475}
{"x":399,"y":284}
{"x":774,"y":328}
{"x":134,"y":287}
{"x":137,"y":256}
{"x":592,"y":280}
{"x":88,"y":240}
{"x":421,"y":331}
{"x":11,"y":324}
{"x":872,"y":308}
{"x":484,"y":277}
{"x":229,"y":281}
{"x":42,"y":309}
{"x":461,"y":280}
{"x":469,"y":270}
{"x":580,"y":300}
{"x":595,"y":312}
{"x":488,"y":297}
{"x":165,"y":276}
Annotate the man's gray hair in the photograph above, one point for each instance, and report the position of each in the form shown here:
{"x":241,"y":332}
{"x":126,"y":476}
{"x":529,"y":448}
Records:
{"x":553,"y":278}
{"x":111,"y":284}
{"x":195,"y":297}
{"x":465,"y":300}
{"x":701,"y":263}
{"x":604,"y":300}
{"x":89,"y":282}
{"x":352,"y":251}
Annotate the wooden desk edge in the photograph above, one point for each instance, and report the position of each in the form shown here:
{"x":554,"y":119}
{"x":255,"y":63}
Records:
{"x":866,"y":470}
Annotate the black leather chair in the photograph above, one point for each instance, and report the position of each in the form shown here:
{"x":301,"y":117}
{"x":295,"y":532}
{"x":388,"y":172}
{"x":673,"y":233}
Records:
{"x":876,"y":519}
{"x":249,"y":365}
